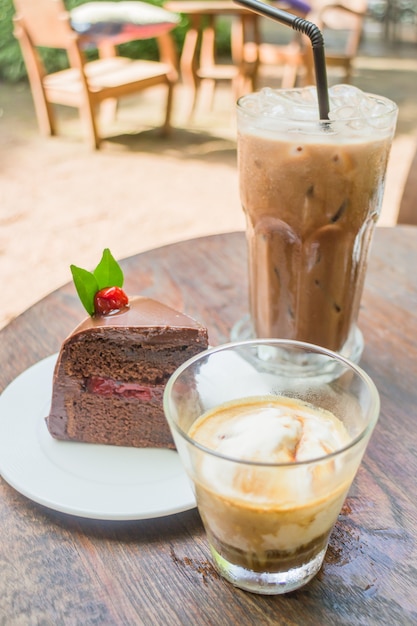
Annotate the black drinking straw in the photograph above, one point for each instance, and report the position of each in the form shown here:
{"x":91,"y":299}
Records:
{"x":317,"y":42}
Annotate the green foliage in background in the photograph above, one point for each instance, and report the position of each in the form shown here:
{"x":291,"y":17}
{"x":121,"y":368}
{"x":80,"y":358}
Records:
{"x":11,"y":64}
{"x":12,"y":68}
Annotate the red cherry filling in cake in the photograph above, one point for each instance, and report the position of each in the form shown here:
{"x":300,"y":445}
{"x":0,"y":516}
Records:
{"x":109,"y":387}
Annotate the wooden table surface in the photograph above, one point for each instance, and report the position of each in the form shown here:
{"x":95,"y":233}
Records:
{"x":58,"y":569}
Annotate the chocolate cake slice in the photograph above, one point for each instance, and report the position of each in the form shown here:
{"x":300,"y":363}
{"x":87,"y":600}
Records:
{"x":111,"y":373}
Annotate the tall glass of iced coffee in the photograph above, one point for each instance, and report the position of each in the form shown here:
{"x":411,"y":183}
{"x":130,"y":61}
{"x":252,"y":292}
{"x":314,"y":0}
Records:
{"x":311,"y":191}
{"x":271,"y":455}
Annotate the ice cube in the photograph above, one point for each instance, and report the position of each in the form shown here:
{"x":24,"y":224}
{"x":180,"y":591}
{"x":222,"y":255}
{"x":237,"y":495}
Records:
{"x":343,"y":112}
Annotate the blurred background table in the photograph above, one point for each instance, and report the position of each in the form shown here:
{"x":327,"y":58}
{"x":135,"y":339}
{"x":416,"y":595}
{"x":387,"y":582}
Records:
{"x":251,"y":52}
{"x":199,"y":63}
{"x":60,"y":569}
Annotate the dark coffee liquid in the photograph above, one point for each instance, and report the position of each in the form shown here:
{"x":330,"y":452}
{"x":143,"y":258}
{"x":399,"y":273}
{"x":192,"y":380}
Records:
{"x":270,"y":560}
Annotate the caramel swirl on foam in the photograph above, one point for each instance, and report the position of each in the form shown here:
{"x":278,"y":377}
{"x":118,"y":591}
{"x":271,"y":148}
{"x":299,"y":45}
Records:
{"x":276,"y":431}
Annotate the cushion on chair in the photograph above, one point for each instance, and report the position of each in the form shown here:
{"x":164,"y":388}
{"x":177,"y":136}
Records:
{"x":121,"y":21}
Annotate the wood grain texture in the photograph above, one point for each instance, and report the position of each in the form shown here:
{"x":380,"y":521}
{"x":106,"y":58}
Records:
{"x":59,"y":569}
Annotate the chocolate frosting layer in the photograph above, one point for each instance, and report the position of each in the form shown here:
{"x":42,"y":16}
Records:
{"x":141,"y":311}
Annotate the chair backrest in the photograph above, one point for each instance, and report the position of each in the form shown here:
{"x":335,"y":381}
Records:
{"x":344,"y":16}
{"x":46,"y":22}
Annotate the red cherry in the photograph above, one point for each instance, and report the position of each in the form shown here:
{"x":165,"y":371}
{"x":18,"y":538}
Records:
{"x":109,"y":300}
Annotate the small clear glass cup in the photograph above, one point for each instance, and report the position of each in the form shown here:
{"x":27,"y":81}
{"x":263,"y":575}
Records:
{"x":269,"y":537}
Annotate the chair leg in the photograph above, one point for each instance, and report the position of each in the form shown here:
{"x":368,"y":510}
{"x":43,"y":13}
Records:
{"x":348,"y":72}
{"x":36,"y":72}
{"x":289,"y":77}
{"x":188,"y":63}
{"x":87,"y":114}
{"x":108,"y":110}
{"x":166,"y":128}
{"x":44,"y":112}
{"x":207,"y":89}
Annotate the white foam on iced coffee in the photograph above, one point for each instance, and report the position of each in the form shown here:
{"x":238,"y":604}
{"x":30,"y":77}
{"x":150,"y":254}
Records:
{"x":280,"y":432}
{"x":292,"y":108}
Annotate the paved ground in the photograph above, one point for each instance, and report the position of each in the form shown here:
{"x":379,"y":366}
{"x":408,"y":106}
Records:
{"x":62,"y":204}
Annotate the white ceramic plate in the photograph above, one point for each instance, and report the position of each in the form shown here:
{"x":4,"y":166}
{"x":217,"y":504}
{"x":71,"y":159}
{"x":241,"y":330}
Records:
{"x":93,"y":481}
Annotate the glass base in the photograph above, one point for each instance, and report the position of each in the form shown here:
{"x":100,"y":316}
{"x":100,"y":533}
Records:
{"x":267,"y":583}
{"x":309,"y":365}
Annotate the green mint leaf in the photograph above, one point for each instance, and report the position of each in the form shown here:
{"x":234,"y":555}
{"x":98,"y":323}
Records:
{"x":86,"y":285}
{"x":108,"y":272}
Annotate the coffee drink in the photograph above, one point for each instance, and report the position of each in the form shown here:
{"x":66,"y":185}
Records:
{"x":274,"y":510}
{"x":312,"y":193}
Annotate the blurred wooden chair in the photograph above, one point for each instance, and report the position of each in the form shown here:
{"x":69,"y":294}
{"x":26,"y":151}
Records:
{"x":289,"y":57}
{"x":342,"y":29}
{"x":242,"y":71}
{"x":200,"y":68}
{"x":342,"y":26}
{"x":84,"y":85}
